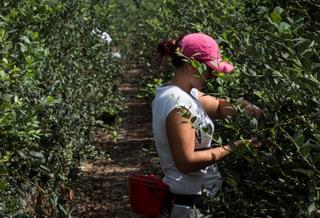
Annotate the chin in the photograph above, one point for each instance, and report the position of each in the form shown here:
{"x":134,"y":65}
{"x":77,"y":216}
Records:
{"x":200,"y":87}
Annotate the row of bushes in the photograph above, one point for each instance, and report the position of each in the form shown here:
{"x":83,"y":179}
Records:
{"x":275,"y":46}
{"x":56,"y":77}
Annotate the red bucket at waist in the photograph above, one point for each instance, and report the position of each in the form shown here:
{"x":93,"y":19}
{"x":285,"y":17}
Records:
{"x":147,"y":194}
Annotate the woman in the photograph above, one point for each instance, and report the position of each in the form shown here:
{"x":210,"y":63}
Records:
{"x":181,"y":113}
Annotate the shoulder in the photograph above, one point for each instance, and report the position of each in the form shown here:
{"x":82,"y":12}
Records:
{"x":172,"y":93}
{"x":169,"y":98}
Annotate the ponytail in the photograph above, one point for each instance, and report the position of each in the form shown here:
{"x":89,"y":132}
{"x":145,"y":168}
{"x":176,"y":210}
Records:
{"x":169,"y":48}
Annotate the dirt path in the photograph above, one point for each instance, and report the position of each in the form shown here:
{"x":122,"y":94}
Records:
{"x":103,"y":183}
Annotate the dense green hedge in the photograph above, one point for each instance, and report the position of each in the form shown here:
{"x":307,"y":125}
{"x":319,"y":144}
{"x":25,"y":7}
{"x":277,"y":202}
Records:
{"x":56,"y":76}
{"x":275,"y":46}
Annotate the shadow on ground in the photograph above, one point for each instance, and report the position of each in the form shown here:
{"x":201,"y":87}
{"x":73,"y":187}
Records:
{"x":102,"y":184}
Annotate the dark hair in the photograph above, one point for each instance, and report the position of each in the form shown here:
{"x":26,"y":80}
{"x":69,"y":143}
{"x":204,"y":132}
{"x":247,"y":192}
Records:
{"x":169,"y":48}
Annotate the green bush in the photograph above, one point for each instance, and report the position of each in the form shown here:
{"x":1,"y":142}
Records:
{"x":56,"y":77}
{"x":275,"y":46}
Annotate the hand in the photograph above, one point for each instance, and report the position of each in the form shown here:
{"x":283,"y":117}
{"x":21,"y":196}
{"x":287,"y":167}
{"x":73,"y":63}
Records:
{"x":254,"y":142}
{"x":250,"y":108}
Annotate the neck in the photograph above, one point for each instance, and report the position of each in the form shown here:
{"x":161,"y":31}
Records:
{"x":179,"y":79}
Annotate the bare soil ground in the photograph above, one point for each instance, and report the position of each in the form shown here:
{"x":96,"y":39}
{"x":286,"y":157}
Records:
{"x":102,"y":184}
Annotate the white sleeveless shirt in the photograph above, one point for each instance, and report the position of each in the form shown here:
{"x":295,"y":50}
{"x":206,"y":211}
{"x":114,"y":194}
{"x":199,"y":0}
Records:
{"x":167,"y":99}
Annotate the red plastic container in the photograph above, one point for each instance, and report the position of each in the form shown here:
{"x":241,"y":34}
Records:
{"x":147,"y":194}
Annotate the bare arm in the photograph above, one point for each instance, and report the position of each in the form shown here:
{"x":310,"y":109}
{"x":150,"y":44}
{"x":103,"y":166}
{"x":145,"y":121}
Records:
{"x":216,"y":107}
{"x":181,"y":137}
{"x":220,"y":108}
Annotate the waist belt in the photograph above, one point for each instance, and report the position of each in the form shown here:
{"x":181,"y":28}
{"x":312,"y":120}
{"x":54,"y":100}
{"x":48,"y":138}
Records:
{"x":190,"y":200}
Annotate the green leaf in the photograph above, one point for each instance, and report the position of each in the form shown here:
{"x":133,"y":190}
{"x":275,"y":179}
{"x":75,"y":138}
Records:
{"x":25,"y":39}
{"x":29,"y":60}
{"x":196,"y":64}
{"x":202,"y":68}
{"x":45,"y":168}
{"x":36,"y":154}
{"x":185,"y":113}
{"x":35,"y":35}
{"x":193,"y":119}
{"x":3,"y":185}
{"x":3,"y":170}
{"x":284,"y":27}
{"x":299,"y":138}
{"x":22,"y":155}
{"x":23,"y":48}
{"x":228,"y":126}
{"x":276,"y":73}
{"x":231,"y":181}
{"x":305,"y":150}
{"x":62,"y":209}
{"x":253,"y":123}
{"x":5,"y":62}
{"x":205,"y":129}
{"x":260,"y":94}
{"x":15,"y":69}
{"x":3,"y":75}
{"x":312,"y":207}
{"x":49,"y":101}
{"x":275,"y":117}
{"x":276,"y":15}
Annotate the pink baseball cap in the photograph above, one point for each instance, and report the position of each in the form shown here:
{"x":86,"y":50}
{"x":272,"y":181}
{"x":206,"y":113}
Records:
{"x":203,"y":48}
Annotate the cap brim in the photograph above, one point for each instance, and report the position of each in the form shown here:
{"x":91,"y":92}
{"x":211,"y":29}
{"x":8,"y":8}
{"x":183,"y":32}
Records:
{"x":220,"y":66}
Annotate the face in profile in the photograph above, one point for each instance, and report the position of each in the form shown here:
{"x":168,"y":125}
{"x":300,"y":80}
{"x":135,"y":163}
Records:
{"x":201,"y":80}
